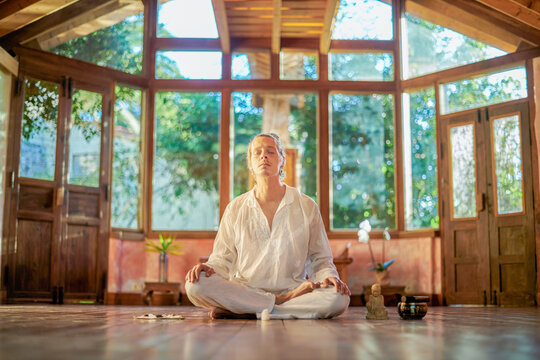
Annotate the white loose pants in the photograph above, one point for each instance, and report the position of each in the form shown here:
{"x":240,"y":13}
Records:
{"x":215,"y":291}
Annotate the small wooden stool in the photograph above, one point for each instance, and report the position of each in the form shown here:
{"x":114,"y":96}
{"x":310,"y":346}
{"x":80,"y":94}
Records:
{"x":164,"y":287}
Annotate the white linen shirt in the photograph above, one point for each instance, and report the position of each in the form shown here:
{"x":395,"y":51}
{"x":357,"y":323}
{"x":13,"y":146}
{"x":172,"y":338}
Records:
{"x":277,"y":260}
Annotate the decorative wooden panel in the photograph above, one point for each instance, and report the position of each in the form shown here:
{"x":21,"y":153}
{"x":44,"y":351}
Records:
{"x":465,"y":243}
{"x":36,"y":198}
{"x":81,"y":259}
{"x":81,"y":204}
{"x":512,"y":240}
{"x":33,"y":256}
{"x":466,"y":278}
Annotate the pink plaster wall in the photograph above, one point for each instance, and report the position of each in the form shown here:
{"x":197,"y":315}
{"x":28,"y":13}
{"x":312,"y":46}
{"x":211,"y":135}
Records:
{"x":417,"y":265}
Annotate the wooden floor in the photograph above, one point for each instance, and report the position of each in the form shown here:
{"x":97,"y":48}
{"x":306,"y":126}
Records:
{"x":111,"y":332}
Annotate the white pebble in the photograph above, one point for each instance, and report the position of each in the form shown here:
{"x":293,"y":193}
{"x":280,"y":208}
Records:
{"x":265,"y":315}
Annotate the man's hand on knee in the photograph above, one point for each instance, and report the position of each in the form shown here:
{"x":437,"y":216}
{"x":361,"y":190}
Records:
{"x":340,"y":286}
{"x":194,"y":274}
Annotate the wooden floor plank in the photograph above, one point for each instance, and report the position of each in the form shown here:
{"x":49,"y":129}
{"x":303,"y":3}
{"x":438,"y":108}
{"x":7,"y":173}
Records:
{"x":111,"y":332}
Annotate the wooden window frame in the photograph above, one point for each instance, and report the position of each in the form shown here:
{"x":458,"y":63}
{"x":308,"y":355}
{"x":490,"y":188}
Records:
{"x":147,"y":81}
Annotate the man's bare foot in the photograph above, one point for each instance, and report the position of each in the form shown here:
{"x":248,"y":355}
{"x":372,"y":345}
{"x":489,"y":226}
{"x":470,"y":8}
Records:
{"x":219,"y":313}
{"x":304,"y":288}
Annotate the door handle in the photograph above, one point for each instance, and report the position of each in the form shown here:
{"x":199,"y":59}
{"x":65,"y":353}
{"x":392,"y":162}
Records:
{"x":481,"y":200}
{"x":59,"y":196}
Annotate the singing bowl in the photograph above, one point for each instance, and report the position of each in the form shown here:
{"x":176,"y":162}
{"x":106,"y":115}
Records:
{"x":412,"y":308}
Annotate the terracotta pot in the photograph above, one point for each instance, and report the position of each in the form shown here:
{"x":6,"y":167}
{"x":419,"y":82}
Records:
{"x":382,"y":278}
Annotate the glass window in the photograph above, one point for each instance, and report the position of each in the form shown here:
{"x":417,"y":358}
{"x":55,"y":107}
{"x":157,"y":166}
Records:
{"x":490,"y":89}
{"x":38,"y":135}
{"x":429,"y":48}
{"x":294,"y":118}
{"x":114,"y":39}
{"x":298,"y":66}
{"x":186,"y":19}
{"x":85,"y":138}
{"x":361,"y":66}
{"x":250,"y":65}
{"x":506,"y":135}
{"x":186,"y":161}
{"x":363,"y":20}
{"x":420,"y":159}
{"x":463,"y":171}
{"x":188,"y":65}
{"x":127,"y":159}
{"x":362,"y":160}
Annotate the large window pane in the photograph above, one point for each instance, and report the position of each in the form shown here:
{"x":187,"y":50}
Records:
{"x":294,"y":118}
{"x":38,"y":137}
{"x":481,"y":91}
{"x":186,"y":158}
{"x":361,"y":66}
{"x":363,"y":20}
{"x":126,"y":183}
{"x":420,"y":159}
{"x":463,"y":168}
{"x":298,"y":66}
{"x":362,"y":160}
{"x":188,"y":65}
{"x":250,"y":65}
{"x":428,"y":48}
{"x":507,"y":159}
{"x":186,"y":19}
{"x":85,"y":138}
{"x":114,"y":38}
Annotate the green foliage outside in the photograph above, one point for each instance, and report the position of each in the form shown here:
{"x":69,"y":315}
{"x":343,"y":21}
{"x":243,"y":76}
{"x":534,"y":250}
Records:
{"x":362,"y":161}
{"x":423,"y":153}
{"x":118,"y":46}
{"x":507,"y":146}
{"x":126,"y":183}
{"x":302,"y":131}
{"x":433,"y":48}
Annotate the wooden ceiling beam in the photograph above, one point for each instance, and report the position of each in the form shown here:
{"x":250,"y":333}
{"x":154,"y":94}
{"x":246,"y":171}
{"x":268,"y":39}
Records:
{"x":220,"y":14}
{"x":499,"y":19}
{"x":51,"y":22}
{"x":516,"y":10}
{"x":276,"y":27}
{"x":332,"y":7}
{"x":10,"y":7}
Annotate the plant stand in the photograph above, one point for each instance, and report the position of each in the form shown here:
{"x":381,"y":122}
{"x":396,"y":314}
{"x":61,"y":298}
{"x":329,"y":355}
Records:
{"x":163,"y":287}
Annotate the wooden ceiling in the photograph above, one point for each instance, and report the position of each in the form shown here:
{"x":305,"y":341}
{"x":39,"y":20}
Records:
{"x":506,"y":24}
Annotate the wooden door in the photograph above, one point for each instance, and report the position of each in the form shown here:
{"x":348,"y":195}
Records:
{"x":465,"y":219}
{"x":85,"y":184}
{"x":58,"y":231}
{"x":487,"y":208}
{"x":511,"y":216}
{"x":34,"y":202}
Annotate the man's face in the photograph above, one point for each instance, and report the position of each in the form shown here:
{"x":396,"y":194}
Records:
{"x":265,"y":158}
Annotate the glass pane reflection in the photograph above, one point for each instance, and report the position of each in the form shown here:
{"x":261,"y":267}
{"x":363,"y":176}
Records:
{"x":85,"y":138}
{"x":463,"y":168}
{"x":507,"y":159}
{"x":38,"y":136}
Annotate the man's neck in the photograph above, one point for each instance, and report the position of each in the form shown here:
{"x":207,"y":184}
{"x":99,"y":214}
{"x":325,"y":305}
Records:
{"x":269,"y":189}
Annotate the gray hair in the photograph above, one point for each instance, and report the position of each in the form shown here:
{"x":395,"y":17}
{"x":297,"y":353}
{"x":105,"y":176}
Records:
{"x":281,"y":152}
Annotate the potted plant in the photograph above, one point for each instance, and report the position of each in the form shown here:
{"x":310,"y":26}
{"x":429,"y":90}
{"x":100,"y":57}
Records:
{"x":164,"y":247}
{"x":381,"y":268}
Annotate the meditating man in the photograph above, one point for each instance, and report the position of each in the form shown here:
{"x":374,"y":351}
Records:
{"x":269,"y":239}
